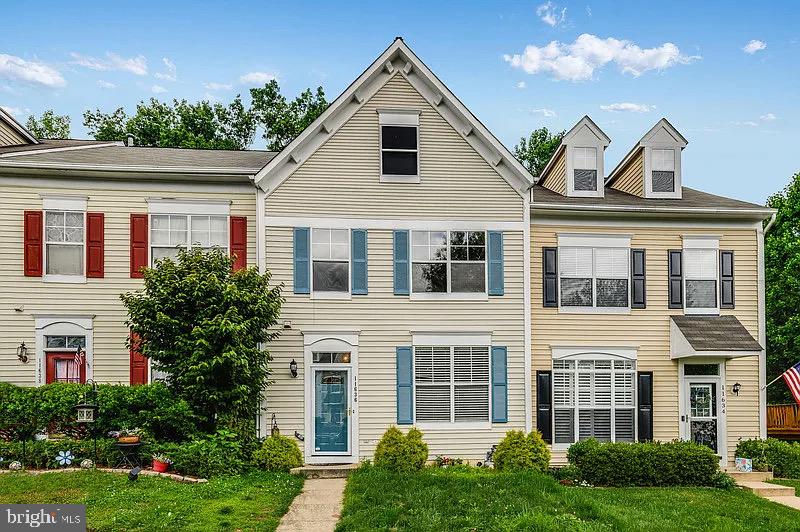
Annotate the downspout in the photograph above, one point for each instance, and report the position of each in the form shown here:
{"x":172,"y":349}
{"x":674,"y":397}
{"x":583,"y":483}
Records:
{"x":771,"y":222}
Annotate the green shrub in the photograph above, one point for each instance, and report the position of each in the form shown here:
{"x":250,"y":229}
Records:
{"x":723,"y":481}
{"x":278,"y":453}
{"x":567,"y":472}
{"x":780,"y":457}
{"x":578,"y":450}
{"x":401,"y":452}
{"x":215,"y":455}
{"x":518,"y":451}
{"x":677,"y":463}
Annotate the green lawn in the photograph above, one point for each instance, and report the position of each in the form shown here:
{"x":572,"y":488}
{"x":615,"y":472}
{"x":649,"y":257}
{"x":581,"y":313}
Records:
{"x":254,"y":501}
{"x":437,"y":499}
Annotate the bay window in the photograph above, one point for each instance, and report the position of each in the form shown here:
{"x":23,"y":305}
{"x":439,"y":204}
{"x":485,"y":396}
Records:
{"x":448,"y":261}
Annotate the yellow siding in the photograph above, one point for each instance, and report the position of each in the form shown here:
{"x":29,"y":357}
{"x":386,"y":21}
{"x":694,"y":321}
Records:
{"x":649,"y":328}
{"x":98,"y":296}
{"x":9,"y":136}
{"x":344,"y":173}
{"x":631,"y":178}
{"x":556,"y":180}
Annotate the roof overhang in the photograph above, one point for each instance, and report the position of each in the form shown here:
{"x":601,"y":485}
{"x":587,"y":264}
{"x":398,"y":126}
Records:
{"x":19,"y":128}
{"x":629,"y":211}
{"x":397,"y":59}
{"x":123,"y":173}
{"x":680,"y":347}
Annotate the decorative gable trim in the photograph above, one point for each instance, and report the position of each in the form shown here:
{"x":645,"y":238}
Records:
{"x":397,"y":60}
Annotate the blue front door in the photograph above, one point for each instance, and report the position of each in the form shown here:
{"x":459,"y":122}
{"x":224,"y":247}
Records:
{"x":330,"y":411}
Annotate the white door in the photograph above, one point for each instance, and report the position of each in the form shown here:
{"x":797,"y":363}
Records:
{"x":703,"y":406}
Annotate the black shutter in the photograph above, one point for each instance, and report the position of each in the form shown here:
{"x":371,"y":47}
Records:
{"x":726,"y":280}
{"x":544,"y":404}
{"x":638,"y":288}
{"x":550,"y":276}
{"x":644,"y":389}
{"x":675,"y":266}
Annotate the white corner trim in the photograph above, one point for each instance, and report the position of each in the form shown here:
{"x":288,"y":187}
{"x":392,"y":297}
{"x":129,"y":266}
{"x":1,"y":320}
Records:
{"x":762,"y":335}
{"x":594,"y":352}
{"x":594,"y":240}
{"x":451,"y":339}
{"x":398,"y":117}
{"x":63,"y":202}
{"x":261,"y":230}
{"x":188,"y":206}
{"x":526,"y":305}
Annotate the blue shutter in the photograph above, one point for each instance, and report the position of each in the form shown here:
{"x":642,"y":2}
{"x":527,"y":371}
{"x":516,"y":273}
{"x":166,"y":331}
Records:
{"x":358,"y":241}
{"x":401,"y":282}
{"x":302,"y":277}
{"x":499,"y":385}
{"x":405,"y":386}
{"x":496,"y":283}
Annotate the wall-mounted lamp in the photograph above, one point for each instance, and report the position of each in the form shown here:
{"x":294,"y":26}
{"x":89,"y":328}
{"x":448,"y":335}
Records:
{"x":293,"y":368}
{"x":736,"y":388}
{"x":22,"y":353}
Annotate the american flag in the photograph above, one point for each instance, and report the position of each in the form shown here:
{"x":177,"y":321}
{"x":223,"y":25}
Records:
{"x":792,"y":378}
{"x":79,"y":354}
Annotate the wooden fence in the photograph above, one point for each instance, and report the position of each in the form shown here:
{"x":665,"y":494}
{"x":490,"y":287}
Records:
{"x":783,"y":421}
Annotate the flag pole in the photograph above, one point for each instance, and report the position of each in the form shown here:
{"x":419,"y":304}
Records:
{"x":772,"y":381}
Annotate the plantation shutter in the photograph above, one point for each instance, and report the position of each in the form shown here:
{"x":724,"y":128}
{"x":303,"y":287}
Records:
{"x":358,"y":241}
{"x":32,"y":250}
{"x":550,"y":277}
{"x":401,"y":280}
{"x":645,"y":408}
{"x":302,"y":265}
{"x":638,"y":279}
{"x":433,"y":383}
{"x":238,"y":242}
{"x":405,"y":386}
{"x":139,"y":241}
{"x":95,"y":244}
{"x":675,"y":268}
{"x":726,"y":279}
{"x":499,"y":384}
{"x":496,"y":281}
{"x":544,"y":404}
{"x":138,"y":363}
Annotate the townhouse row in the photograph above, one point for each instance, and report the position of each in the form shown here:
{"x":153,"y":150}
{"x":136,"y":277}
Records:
{"x":430,"y":280}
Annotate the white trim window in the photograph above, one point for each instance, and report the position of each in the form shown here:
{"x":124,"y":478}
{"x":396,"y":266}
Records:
{"x":451,"y":384}
{"x":330,"y":261}
{"x":584,"y":170}
{"x":65,"y":244}
{"x":700,"y":280}
{"x":448,"y":262}
{"x":171,"y":232}
{"x":594,"y":277}
{"x":399,"y":144}
{"x":663,"y":170}
{"x":594,"y":398}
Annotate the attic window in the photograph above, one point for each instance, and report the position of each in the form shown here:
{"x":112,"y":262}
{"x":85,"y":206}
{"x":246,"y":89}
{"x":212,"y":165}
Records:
{"x":585,"y":169}
{"x":663,"y":170}
{"x":399,"y":138}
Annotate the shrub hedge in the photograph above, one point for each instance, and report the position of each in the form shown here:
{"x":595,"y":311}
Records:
{"x":676,"y":463}
{"x":278,"y":453}
{"x":780,"y":457}
{"x":518,"y":451}
{"x":218,"y":454}
{"x":401,"y":452}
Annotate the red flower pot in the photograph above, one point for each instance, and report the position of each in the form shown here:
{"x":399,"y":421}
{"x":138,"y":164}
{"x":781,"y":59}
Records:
{"x":159,"y":466}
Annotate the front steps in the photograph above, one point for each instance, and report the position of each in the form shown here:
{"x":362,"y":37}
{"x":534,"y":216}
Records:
{"x":325,"y":470}
{"x":755,"y":476}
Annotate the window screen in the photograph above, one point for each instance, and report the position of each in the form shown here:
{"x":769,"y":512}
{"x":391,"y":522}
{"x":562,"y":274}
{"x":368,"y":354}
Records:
{"x":663,"y":170}
{"x":64,"y":242}
{"x":700,"y":267}
{"x":330,"y":254}
{"x":399,"y":150}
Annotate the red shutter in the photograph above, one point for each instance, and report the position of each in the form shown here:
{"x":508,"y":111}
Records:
{"x":138,"y":363}
{"x":139,"y":251}
{"x":33,"y":243}
{"x":95,"y":244}
{"x":238,"y":237}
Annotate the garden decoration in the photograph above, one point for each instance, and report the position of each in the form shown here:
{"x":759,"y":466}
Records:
{"x":87,"y":464}
{"x":161,"y":463}
{"x":64,"y":458}
{"x":16,"y":465}
{"x":274,"y":426}
{"x":87,"y":412}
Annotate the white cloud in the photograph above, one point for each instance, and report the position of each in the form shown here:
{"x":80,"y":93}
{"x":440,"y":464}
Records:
{"x":17,"y":69}
{"x":521,"y":85}
{"x":213,"y":86}
{"x":170,"y":74}
{"x":257,"y":78}
{"x":769,"y":117}
{"x":747,"y":123}
{"x":578,"y":61}
{"x":106,"y":84}
{"x":550,"y":14}
{"x":135,"y":65}
{"x":158,"y":89}
{"x":547,"y":113}
{"x":754,"y":46}
{"x":628,"y":107}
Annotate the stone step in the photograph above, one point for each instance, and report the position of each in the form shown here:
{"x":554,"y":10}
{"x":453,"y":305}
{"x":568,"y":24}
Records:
{"x":755,"y":476}
{"x":762,"y":489}
{"x":325,"y":470}
{"x":790,"y":501}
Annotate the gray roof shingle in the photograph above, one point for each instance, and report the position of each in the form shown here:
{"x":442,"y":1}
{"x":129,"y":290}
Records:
{"x":49,"y":144}
{"x":716,"y":333}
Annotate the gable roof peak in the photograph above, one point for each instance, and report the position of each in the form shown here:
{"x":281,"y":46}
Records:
{"x":588,"y":122}
{"x":16,"y":126}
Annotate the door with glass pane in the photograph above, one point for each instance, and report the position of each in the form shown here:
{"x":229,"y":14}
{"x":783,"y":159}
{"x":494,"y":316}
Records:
{"x":703,"y":414}
{"x":331,"y":410}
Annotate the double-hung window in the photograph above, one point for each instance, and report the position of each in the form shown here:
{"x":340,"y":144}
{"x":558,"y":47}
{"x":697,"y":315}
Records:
{"x":65,"y":243}
{"x":594,"y":277}
{"x":399,"y":139}
{"x":663,"y":170}
{"x":451,"y":384}
{"x":584,"y":171}
{"x":330,"y":256}
{"x":700,"y":279}
{"x":448,"y":261}
{"x":171,"y":232}
{"x":594,"y":398}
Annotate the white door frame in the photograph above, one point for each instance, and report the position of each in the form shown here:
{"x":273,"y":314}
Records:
{"x":330,"y":342}
{"x":63,"y":325}
{"x":719,"y":380}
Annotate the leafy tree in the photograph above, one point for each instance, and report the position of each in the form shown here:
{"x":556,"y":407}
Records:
{"x":782,"y":271}
{"x":536,"y":150}
{"x":202,"y":324}
{"x":49,"y":126}
{"x":283,"y":120}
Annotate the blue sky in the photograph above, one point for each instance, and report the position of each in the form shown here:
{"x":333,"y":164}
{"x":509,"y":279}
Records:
{"x":729,"y":80}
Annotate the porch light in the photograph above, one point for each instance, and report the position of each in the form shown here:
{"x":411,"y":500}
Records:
{"x":22,"y":353}
{"x":293,"y":368}
{"x":736,"y":388}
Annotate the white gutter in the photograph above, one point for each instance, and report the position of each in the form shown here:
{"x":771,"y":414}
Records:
{"x":771,"y":222}
{"x":129,"y":168}
{"x":624,"y":208}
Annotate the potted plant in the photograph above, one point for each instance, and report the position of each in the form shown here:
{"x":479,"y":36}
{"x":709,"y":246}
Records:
{"x":161,"y":463}
{"x":126,"y":435}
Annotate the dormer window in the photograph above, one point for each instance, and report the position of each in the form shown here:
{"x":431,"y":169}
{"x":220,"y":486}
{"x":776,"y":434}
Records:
{"x":585,"y":169}
{"x":399,"y":141}
{"x":663,"y":170}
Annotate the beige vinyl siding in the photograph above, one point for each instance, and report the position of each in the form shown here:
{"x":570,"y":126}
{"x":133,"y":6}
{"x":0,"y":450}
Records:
{"x":649,"y":328}
{"x":556,"y":179}
{"x":98,"y":297}
{"x":344,"y":172}
{"x":386,"y":322}
{"x":10,"y":136}
{"x":631,"y":178}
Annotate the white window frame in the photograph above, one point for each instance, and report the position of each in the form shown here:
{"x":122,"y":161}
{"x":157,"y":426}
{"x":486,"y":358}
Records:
{"x":398,"y":118}
{"x":189,"y":244}
{"x":449,"y":294}
{"x":709,"y":243}
{"x":48,"y":324}
{"x":331,"y":295}
{"x":60,"y":278}
{"x":649,"y":167}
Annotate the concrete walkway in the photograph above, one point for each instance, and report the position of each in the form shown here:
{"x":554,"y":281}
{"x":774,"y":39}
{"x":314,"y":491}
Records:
{"x":756,"y":482}
{"x":317,"y":507}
